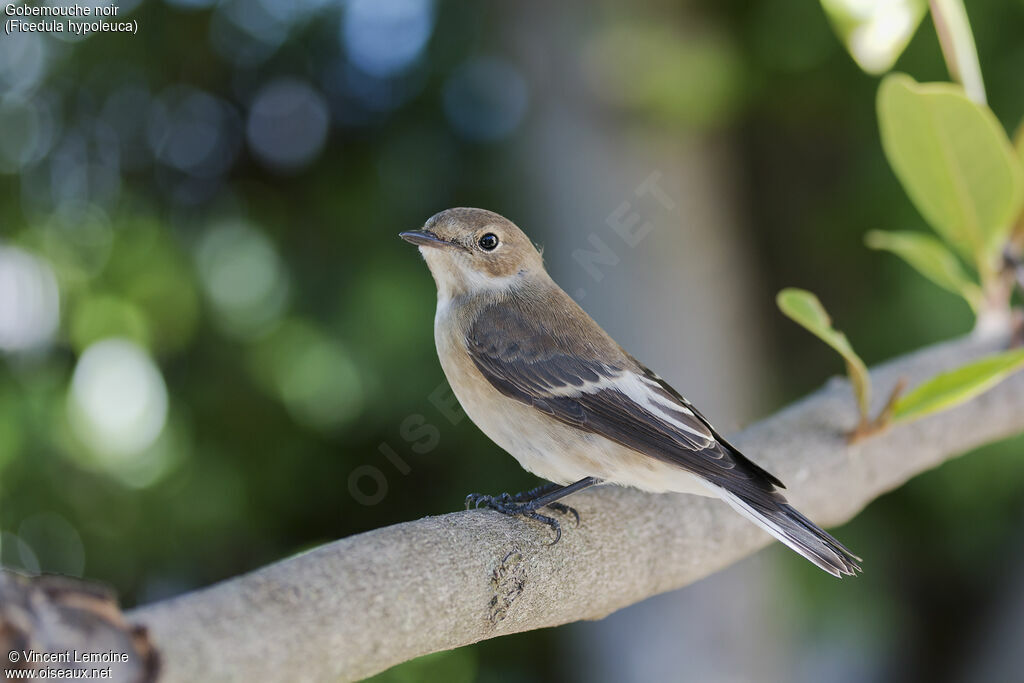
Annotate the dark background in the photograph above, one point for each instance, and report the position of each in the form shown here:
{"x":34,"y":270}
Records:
{"x":209,"y":323}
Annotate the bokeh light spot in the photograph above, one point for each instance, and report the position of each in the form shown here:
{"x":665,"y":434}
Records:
{"x":193,"y":132}
{"x":246,"y":33}
{"x":117,"y":404}
{"x":29,"y":301}
{"x":385,"y":37}
{"x":311,"y":373}
{"x":23,"y":60}
{"x":287,"y":124}
{"x":243,"y":276}
{"x":83,"y":169}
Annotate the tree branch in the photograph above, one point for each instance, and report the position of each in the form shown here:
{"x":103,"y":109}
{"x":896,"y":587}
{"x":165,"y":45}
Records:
{"x":357,"y":606}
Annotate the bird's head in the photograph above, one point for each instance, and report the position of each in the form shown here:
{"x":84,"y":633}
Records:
{"x":475,"y":251}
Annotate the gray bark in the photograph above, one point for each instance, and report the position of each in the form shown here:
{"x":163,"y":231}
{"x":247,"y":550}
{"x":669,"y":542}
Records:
{"x":357,"y":606}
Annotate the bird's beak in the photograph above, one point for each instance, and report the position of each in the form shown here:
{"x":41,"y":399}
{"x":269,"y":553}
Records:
{"x":423,"y":238}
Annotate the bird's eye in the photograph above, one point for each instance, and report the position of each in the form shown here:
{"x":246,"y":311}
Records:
{"x":488,"y":242}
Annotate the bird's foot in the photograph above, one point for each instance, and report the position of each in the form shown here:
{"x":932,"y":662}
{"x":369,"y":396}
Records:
{"x":565,"y":510}
{"x":525,"y":504}
{"x":543,"y":490}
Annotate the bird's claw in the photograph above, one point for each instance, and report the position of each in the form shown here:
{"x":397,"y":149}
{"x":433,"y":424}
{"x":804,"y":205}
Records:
{"x":550,"y":521}
{"x":508,"y":504}
{"x":475,"y":500}
{"x":566,"y":510}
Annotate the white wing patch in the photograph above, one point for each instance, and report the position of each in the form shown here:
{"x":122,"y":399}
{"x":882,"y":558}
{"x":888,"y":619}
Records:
{"x":647,"y":394}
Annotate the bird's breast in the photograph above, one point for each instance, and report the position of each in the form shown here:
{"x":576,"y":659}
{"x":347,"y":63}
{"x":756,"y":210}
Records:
{"x":539,"y":445}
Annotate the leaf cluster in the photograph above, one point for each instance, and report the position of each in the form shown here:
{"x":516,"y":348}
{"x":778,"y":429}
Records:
{"x":962,"y":173}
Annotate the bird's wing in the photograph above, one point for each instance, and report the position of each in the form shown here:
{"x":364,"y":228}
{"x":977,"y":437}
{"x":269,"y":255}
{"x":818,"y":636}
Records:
{"x":583,"y":379}
{"x":560,"y":362}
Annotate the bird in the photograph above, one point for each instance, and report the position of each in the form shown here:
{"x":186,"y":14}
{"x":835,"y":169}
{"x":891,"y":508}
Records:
{"x":548,"y":385}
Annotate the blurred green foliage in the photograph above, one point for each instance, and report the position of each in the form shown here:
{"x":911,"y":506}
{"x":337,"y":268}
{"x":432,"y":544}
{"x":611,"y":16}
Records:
{"x":961,"y":171}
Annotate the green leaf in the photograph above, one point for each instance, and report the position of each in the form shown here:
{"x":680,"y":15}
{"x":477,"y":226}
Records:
{"x":931,"y":258}
{"x":952,"y":388}
{"x":875,"y":34}
{"x":954,"y":160}
{"x":804,"y":308}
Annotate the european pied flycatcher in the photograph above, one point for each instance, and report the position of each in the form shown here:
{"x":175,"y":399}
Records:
{"x":548,"y":385}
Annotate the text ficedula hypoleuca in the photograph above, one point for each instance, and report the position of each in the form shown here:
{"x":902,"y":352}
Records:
{"x":548,"y":385}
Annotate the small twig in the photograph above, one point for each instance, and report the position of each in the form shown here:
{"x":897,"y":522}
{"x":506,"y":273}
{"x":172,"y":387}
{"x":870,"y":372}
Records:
{"x":868,"y":427}
{"x":957,"y":42}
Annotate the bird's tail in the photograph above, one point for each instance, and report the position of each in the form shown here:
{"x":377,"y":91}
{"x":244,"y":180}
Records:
{"x":785,"y":523}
